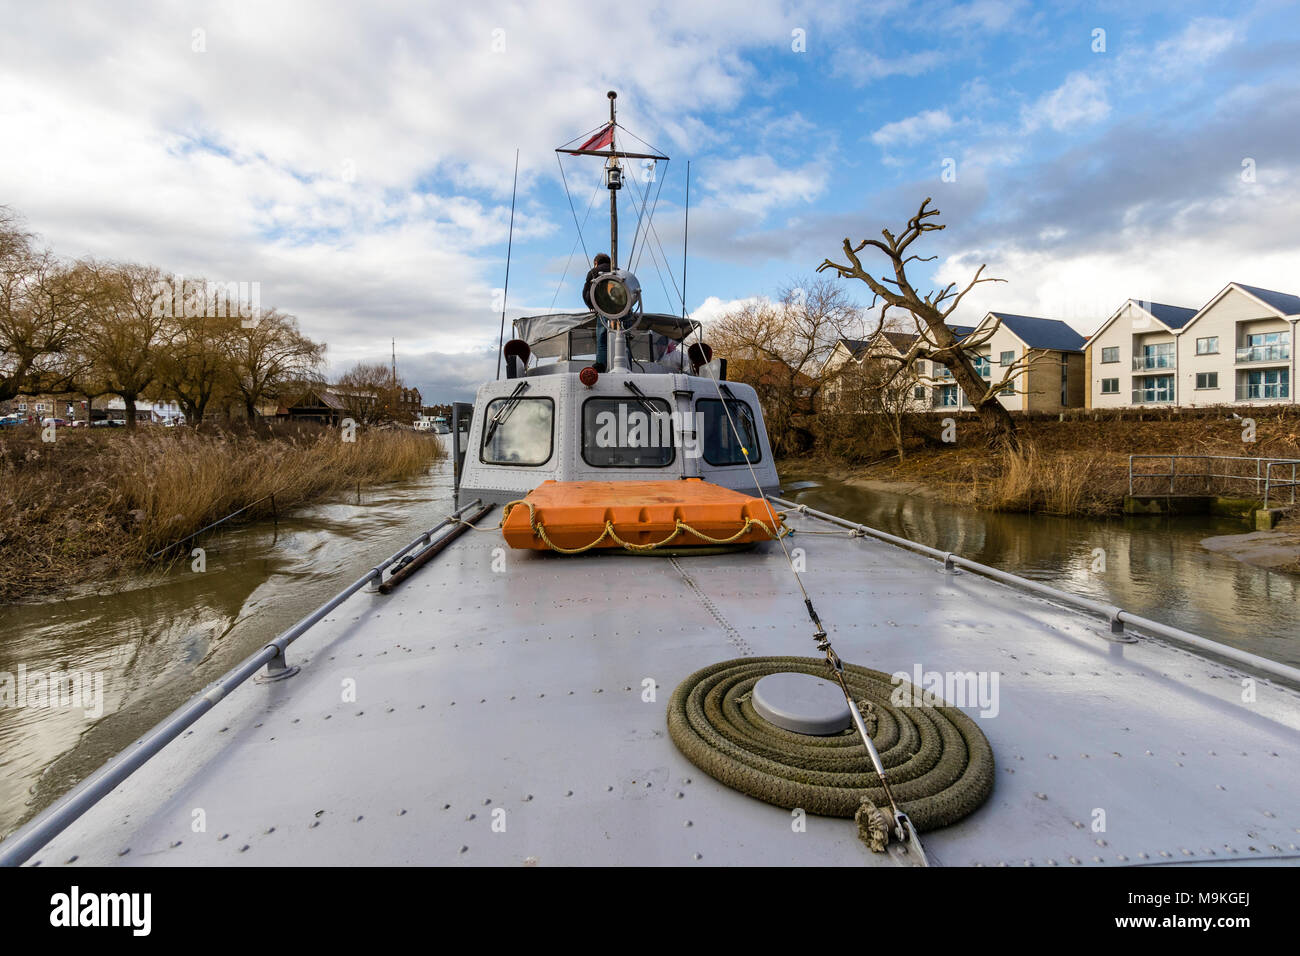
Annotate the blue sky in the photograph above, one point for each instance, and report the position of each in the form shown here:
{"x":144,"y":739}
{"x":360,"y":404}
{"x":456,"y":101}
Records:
{"x":356,"y":160}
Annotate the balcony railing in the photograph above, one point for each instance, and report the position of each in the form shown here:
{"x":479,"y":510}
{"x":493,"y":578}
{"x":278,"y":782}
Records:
{"x":1142,"y":396}
{"x":1263,"y":392}
{"x":1153,"y":361}
{"x":1263,"y":353}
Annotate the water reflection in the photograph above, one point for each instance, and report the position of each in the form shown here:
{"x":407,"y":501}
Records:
{"x":1154,"y":566}
{"x":159,"y":637}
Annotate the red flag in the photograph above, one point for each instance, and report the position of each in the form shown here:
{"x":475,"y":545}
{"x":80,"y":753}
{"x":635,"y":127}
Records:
{"x":602,"y":139}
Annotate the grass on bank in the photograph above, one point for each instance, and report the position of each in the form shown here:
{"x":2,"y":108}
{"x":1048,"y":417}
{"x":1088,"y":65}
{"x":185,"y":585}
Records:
{"x":1079,"y":466}
{"x":91,"y":503}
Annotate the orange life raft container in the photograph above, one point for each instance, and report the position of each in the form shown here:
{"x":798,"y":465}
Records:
{"x":574,"y":516}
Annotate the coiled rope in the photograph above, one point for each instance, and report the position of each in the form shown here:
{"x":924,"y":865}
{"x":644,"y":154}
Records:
{"x":939,"y":762}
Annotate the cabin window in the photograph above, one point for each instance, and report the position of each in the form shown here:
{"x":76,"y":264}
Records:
{"x":623,"y":433}
{"x":523,"y":434}
{"x":720,"y":444}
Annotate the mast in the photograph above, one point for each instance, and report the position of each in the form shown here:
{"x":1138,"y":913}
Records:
{"x":614,"y":181}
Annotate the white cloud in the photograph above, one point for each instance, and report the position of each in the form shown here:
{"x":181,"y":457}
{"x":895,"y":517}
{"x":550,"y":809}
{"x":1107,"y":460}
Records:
{"x":861,"y":67}
{"x":756,"y":184}
{"x":714,"y":308}
{"x":1079,"y":101}
{"x":356,"y":164}
{"x":913,"y":129}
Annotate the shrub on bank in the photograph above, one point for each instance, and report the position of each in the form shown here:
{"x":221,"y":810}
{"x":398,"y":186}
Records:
{"x":92,"y":502}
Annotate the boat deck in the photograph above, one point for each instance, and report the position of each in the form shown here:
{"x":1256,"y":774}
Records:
{"x":498,"y":680}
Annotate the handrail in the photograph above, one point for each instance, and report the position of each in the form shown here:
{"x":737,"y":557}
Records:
{"x":1117,"y":616}
{"x":1262,"y":476}
{"x":19,"y":846}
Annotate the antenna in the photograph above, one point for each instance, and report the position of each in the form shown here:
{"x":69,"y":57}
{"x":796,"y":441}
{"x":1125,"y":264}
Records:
{"x":686,"y":234}
{"x":394,"y":341}
{"x":510,"y":241}
{"x":614,"y":181}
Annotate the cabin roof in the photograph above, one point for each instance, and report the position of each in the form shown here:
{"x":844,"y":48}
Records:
{"x":538,"y":328}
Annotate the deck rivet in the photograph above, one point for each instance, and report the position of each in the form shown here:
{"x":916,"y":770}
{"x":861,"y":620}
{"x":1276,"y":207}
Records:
{"x":73,"y":859}
{"x":128,"y":850}
{"x":1041,"y":796}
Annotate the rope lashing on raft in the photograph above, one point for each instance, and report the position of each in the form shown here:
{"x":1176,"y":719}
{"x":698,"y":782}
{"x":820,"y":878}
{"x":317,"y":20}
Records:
{"x":681,"y":527}
{"x":940,"y":764}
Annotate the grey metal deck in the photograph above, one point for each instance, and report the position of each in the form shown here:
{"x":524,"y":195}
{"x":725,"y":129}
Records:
{"x":520,"y":690}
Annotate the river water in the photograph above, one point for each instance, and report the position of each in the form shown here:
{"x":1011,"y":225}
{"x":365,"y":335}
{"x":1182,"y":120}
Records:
{"x":157,"y":638}
{"x":1151,"y":565}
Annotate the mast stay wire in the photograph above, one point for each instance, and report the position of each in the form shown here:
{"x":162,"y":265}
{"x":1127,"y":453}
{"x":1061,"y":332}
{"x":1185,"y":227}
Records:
{"x":646,"y":243}
{"x":641,"y":215}
{"x":590,"y":203}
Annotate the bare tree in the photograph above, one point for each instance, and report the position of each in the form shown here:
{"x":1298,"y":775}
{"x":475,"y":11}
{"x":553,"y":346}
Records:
{"x":781,"y":348}
{"x":126,"y":335}
{"x":935,"y":341}
{"x":42,"y":307}
{"x":877,"y":388}
{"x":370,"y":393}
{"x":197,"y":366}
{"x":268,"y":353}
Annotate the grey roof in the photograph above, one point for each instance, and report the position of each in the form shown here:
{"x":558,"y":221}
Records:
{"x":1173,"y":316}
{"x":1042,"y":333}
{"x":901,"y":340}
{"x":1284,"y":302}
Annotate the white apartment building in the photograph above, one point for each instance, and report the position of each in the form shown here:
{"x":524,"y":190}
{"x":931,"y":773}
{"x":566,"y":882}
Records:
{"x":1053,"y":351}
{"x":1237,"y":348}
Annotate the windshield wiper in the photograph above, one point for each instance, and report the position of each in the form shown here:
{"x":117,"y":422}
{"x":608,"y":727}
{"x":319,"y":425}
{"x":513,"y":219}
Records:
{"x":500,"y":417}
{"x":644,"y":399}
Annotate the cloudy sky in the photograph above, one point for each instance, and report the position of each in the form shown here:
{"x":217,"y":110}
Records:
{"x":356,"y":160}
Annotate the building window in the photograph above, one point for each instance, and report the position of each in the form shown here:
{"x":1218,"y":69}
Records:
{"x":1157,"y":355}
{"x":948,"y":395}
{"x":1207,"y":346}
{"x":1110,"y":386}
{"x":1266,"y":347}
{"x":1009,"y":390}
{"x":1271,"y":383}
{"x":1206,"y":379}
{"x":1109,"y":355}
{"x":1154,"y":389}
{"x":1006,"y":358}
{"x":918,"y":393}
{"x":981,"y":363}
{"x":22,"y":406}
